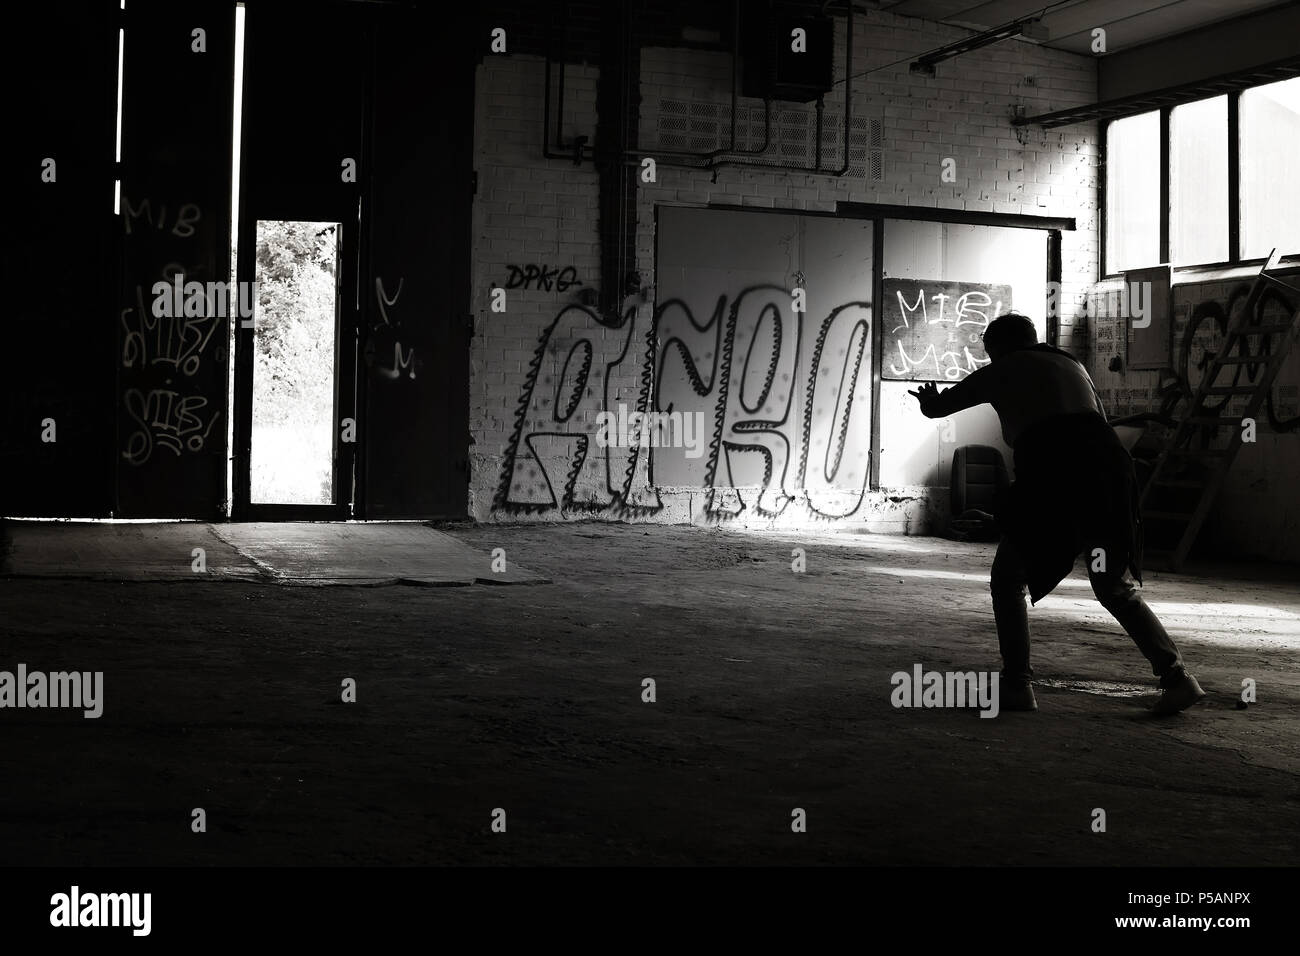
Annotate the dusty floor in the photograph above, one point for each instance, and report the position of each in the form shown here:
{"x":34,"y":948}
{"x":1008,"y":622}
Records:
{"x":773,"y":693}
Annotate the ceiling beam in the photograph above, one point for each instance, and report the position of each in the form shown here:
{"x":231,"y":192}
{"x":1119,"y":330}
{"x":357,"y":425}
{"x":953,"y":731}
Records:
{"x":1169,"y":96}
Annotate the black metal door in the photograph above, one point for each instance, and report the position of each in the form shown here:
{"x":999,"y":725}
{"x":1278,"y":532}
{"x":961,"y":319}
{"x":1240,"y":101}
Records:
{"x":415,"y":378}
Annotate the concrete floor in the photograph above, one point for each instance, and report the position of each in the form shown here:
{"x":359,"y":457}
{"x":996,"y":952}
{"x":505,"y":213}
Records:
{"x":281,"y":553}
{"x":773,"y":694}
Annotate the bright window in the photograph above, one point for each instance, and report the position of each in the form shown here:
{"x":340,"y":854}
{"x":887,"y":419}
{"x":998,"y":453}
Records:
{"x":1198,"y":183}
{"x":1270,"y":152}
{"x":1133,"y":192}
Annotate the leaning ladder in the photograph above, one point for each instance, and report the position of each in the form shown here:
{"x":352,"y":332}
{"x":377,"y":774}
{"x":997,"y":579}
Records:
{"x":1209,"y":481}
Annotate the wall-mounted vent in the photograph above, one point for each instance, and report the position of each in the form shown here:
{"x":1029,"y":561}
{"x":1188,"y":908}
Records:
{"x":794,"y":136}
{"x":866,"y":148}
{"x":877,"y":150}
{"x":692,"y":126}
{"x":704,"y":127}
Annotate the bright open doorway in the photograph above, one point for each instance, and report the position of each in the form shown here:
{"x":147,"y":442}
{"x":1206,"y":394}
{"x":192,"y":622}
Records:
{"x":294,"y":357}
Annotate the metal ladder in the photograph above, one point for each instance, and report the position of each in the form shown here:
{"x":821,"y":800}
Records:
{"x":1217,"y":461}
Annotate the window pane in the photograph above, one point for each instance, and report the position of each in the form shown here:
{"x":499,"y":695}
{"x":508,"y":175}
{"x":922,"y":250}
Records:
{"x":1270,"y":189}
{"x":1198,"y":182}
{"x":1133,"y":192}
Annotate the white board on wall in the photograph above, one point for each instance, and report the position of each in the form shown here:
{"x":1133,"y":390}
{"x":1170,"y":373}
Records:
{"x":1150,"y":335}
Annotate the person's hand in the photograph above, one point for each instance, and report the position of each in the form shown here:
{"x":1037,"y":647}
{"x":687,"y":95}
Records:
{"x":926,"y":396}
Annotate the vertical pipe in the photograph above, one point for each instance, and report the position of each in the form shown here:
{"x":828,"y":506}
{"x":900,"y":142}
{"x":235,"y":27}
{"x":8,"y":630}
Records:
{"x":1054,"y":275}
{"x":848,"y":89}
{"x":735,"y":68}
{"x":821,"y":108}
{"x":546,"y":106}
{"x":877,"y":340}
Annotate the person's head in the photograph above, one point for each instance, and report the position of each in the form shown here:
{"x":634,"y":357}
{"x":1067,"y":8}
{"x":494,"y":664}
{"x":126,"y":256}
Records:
{"x":1008,"y":333}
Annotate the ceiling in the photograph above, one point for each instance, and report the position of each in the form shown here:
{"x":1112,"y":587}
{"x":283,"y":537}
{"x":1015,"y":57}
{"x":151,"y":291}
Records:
{"x":1069,"y":23}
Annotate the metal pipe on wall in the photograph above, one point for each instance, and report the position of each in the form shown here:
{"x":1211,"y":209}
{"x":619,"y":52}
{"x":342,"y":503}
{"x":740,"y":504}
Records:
{"x":580,"y":151}
{"x":767,"y":100}
{"x":711,"y":160}
{"x":848,"y":118}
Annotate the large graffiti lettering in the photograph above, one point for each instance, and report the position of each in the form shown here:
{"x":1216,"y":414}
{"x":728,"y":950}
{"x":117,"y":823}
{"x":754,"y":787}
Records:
{"x":385,"y":338}
{"x":1199,"y":334}
{"x":933,"y":329}
{"x":548,"y":464}
{"x":182,"y":226}
{"x":178,"y":341}
{"x":948,"y":365}
{"x":788,"y":402}
{"x":165,"y":419}
{"x":157,"y":350}
{"x":1203,"y":340}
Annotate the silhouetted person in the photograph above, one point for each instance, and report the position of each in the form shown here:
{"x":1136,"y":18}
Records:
{"x":1075,"y":491}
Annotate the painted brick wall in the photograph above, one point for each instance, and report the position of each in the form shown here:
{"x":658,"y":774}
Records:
{"x":962,"y":113}
{"x":528,"y":211}
{"x":528,"y":433}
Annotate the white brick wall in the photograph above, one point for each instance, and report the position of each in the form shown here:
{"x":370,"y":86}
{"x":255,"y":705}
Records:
{"x":528,"y":211}
{"x":533,"y":210}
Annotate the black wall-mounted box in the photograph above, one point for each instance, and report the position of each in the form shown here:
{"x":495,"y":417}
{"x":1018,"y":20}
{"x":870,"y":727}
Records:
{"x":772,"y":69}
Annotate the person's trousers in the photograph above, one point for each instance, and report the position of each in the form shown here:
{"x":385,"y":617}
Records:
{"x":1115,"y":590}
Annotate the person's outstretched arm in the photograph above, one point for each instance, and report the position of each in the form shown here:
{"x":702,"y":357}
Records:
{"x":975,"y":389}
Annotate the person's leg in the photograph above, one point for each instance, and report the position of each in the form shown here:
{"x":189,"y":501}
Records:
{"x":1118,"y":595}
{"x":1007,"y":589}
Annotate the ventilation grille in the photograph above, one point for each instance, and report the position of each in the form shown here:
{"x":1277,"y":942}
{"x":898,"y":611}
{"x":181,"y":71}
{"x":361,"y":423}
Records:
{"x":703,"y":127}
{"x":866,"y":147}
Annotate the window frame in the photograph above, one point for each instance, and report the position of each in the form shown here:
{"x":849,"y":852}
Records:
{"x":1235,"y":259}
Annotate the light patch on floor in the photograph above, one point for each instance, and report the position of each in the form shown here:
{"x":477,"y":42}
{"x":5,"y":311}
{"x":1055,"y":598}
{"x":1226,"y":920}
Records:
{"x":313,"y":553}
{"x":1101,"y":688}
{"x":981,"y":579}
{"x":340,"y":553}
